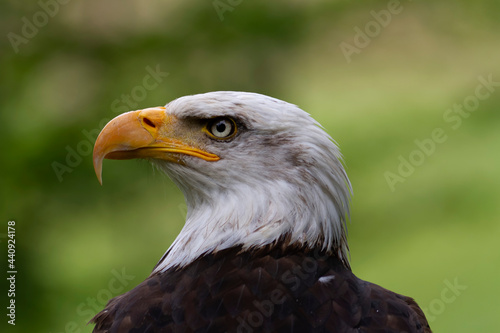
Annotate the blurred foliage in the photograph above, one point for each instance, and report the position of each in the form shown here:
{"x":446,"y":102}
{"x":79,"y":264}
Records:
{"x":58,"y":89}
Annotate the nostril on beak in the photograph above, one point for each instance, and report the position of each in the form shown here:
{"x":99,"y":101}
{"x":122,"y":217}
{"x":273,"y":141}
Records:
{"x":149,"y":122}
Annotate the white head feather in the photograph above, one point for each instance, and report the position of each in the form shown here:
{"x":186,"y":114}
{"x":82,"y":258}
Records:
{"x":280,"y":176}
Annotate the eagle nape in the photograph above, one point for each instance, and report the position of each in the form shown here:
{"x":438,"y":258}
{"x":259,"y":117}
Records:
{"x":264,"y":246}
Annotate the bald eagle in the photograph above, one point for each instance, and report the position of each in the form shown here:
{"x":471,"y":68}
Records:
{"x":264,"y":246}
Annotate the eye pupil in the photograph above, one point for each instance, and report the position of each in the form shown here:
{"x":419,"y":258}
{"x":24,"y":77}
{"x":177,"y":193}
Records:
{"x":222,"y":128}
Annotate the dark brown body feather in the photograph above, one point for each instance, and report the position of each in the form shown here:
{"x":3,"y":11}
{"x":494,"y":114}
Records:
{"x":269,"y":290}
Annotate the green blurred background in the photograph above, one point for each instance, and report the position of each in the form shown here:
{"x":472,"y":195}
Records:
{"x":68,"y":73}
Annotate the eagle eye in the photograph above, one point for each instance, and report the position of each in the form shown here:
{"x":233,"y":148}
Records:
{"x":221,"y":128}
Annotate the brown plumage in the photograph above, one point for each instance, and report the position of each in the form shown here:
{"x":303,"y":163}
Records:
{"x":274,"y":289}
{"x":264,"y":247}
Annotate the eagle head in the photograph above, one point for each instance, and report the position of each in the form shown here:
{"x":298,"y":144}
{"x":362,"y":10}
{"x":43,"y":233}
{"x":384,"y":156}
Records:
{"x":254,"y":171}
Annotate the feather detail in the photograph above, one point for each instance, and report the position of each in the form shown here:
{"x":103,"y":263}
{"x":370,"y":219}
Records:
{"x":277,"y":288}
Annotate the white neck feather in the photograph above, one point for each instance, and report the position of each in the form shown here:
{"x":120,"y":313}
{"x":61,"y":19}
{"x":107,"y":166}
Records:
{"x":251,"y":216}
{"x":282,"y":177}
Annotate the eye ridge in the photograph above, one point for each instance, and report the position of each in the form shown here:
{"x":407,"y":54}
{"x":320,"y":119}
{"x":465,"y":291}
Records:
{"x":221,"y":128}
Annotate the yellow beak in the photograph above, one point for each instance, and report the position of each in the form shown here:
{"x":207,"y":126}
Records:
{"x":148,"y":133}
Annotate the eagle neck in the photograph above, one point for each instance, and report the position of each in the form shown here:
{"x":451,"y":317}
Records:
{"x":257,"y":216}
